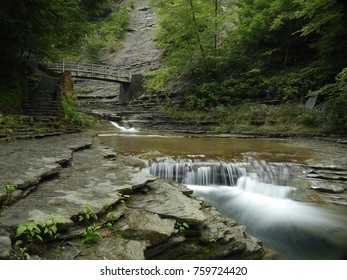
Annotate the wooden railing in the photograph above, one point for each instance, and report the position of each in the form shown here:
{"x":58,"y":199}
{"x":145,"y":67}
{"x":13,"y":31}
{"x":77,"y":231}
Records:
{"x":90,"y":71}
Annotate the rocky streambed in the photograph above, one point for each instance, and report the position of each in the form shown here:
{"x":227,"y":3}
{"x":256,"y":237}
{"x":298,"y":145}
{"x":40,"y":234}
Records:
{"x":88,"y":205}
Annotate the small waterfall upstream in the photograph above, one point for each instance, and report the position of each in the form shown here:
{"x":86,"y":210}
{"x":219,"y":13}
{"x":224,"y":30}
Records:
{"x":124,"y":129}
{"x":258,"y":194}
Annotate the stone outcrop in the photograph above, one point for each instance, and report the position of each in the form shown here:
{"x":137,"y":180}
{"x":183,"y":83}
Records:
{"x":138,"y":216}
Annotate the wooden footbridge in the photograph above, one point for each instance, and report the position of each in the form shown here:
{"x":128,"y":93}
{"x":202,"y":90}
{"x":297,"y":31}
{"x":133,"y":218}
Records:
{"x":130,"y":85}
{"x":93,"y":71}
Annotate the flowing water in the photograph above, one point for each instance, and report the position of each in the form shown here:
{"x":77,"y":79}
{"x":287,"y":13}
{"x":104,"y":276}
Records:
{"x":260,"y":183}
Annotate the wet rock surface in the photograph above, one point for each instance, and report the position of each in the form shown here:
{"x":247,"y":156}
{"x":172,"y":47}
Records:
{"x":137,"y":216}
{"x":139,"y":52}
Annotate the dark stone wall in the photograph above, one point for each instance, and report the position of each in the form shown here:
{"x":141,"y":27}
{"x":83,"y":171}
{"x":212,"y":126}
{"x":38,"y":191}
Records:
{"x":128,"y":92}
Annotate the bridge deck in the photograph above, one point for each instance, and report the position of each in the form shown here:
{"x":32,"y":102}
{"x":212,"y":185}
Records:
{"x":93,"y":71}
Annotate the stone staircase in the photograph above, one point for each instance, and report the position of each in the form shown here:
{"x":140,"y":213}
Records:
{"x":33,"y":127}
{"x":45,"y":100}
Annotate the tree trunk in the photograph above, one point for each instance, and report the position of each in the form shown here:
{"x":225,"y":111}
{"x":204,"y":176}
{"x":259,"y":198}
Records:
{"x":197,"y":30}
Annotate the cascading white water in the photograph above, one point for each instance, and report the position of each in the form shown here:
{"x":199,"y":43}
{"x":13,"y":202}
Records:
{"x":247,"y":177}
{"x":296,"y":229}
{"x":198,"y":173}
{"x":257,"y":195}
{"x":247,"y":184}
{"x":124,"y":129}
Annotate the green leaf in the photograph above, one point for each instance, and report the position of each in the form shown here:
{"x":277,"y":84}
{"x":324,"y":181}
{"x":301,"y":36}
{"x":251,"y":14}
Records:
{"x":54,"y":229}
{"x":23,"y":250}
{"x":20,"y":230}
{"x":39,"y":237}
{"x":19,"y":242}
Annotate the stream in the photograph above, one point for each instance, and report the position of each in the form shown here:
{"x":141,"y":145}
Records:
{"x":259,"y":182}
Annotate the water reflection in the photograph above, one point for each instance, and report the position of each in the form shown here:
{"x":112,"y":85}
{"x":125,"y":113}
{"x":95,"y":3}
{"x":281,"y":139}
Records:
{"x":224,"y":149}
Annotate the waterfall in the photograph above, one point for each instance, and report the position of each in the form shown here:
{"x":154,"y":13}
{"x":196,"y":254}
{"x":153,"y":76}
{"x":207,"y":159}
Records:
{"x":256,"y":177}
{"x":124,"y":129}
{"x":248,"y":184}
{"x":198,"y":173}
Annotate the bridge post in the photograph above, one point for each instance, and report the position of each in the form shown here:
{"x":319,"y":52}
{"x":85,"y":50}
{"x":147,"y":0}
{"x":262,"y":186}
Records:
{"x":128,"y":92}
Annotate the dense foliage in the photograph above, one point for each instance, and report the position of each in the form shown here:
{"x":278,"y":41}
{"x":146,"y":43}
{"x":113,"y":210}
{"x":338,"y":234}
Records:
{"x":250,"y":45}
{"x":268,"y":51}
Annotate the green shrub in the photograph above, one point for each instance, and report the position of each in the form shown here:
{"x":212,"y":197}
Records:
{"x":92,"y":234}
{"x":92,"y":47}
{"x":308,"y":117}
{"x":335,"y":116}
{"x":37,"y":231}
{"x":87,"y":215}
{"x":105,"y":33}
{"x":69,"y":104}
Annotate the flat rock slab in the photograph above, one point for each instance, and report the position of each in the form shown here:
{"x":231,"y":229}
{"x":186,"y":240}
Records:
{"x":166,"y":200}
{"x":25,"y":163}
{"x":92,"y":180}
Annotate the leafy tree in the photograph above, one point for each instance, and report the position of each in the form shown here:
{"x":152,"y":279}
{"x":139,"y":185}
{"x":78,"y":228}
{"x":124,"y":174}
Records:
{"x":273,"y":49}
{"x":34,"y":27}
{"x":190,"y":33}
{"x":31,"y":29}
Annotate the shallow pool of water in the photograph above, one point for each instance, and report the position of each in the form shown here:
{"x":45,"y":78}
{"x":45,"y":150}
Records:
{"x":225,"y":149}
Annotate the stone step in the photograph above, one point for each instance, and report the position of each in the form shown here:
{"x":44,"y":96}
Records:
{"x":40,"y":109}
{"x":42,"y":105}
{"x":93,"y":97}
{"x":43,"y":113}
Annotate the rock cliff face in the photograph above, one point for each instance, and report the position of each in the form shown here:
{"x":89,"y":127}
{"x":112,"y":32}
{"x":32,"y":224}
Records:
{"x":138,"y":55}
{"x":138,"y":216}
